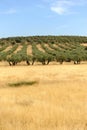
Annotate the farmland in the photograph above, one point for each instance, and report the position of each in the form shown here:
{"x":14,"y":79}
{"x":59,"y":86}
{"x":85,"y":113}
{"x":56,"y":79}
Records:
{"x":43,"y":49}
{"x":43,"y":83}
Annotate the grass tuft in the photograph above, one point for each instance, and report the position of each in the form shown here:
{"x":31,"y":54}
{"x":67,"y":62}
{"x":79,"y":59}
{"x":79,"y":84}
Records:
{"x":21,"y":83}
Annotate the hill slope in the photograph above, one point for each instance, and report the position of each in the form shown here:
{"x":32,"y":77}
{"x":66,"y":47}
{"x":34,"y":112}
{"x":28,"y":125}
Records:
{"x":43,"y":49}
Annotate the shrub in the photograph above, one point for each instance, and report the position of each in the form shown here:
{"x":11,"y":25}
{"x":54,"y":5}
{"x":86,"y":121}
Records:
{"x":21,"y":83}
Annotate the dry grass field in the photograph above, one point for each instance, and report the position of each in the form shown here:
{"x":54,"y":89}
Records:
{"x":58,"y":101}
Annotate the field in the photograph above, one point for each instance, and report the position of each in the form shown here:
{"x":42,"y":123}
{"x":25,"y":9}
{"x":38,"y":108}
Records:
{"x":43,"y":49}
{"x":58,"y":100}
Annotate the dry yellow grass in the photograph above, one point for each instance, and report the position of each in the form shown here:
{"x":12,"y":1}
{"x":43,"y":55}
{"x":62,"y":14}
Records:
{"x":29,"y":49}
{"x":8,"y":48}
{"x":57,"y":102}
{"x":40,"y":48}
{"x":84,"y":44}
{"x":18,"y":49}
{"x":46,"y":45}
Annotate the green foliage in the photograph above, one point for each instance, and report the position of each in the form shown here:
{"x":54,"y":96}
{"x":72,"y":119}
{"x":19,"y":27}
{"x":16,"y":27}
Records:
{"x":4,"y":47}
{"x":41,"y":56}
{"x":19,"y":56}
{"x":60,"y":57}
{"x":4,"y":55}
{"x":79,"y":54}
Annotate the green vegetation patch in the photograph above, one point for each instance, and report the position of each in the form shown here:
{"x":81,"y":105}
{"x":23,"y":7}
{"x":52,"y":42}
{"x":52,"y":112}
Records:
{"x":21,"y":83}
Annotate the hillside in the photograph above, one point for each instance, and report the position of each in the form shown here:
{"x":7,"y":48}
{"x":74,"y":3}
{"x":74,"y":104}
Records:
{"x":43,"y":49}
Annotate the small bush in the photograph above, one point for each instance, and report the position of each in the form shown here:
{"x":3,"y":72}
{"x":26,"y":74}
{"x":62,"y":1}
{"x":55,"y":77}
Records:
{"x":21,"y":83}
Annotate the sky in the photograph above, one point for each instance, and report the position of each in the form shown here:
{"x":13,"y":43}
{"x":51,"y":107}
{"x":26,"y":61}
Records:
{"x":43,"y":17}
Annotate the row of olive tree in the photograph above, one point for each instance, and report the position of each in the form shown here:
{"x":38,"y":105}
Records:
{"x":5,"y":54}
{"x":19,"y":56}
{"x":77,"y":54}
{"x":40,"y":56}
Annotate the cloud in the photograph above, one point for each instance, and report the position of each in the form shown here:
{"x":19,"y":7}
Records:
{"x":59,"y":10}
{"x":66,"y":6}
{"x":10,"y":11}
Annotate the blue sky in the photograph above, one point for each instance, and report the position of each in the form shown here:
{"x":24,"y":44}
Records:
{"x":43,"y":17}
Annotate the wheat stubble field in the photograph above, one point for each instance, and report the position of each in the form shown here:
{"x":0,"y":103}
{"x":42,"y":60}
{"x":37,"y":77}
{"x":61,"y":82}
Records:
{"x":58,"y":101}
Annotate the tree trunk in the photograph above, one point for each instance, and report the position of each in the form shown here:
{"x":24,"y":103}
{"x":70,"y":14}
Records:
{"x":13,"y":63}
{"x":10,"y":63}
{"x":28,"y":63}
{"x":33,"y":62}
{"x":48,"y":62}
{"x":75,"y":62}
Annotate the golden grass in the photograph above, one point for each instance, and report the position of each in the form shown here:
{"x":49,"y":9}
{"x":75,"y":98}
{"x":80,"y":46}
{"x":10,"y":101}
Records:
{"x":18,"y":48}
{"x":84,"y":44}
{"x":29,"y":49}
{"x":57,"y":102}
{"x":8,"y":48}
{"x":40,"y":48}
{"x":47,"y":45}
